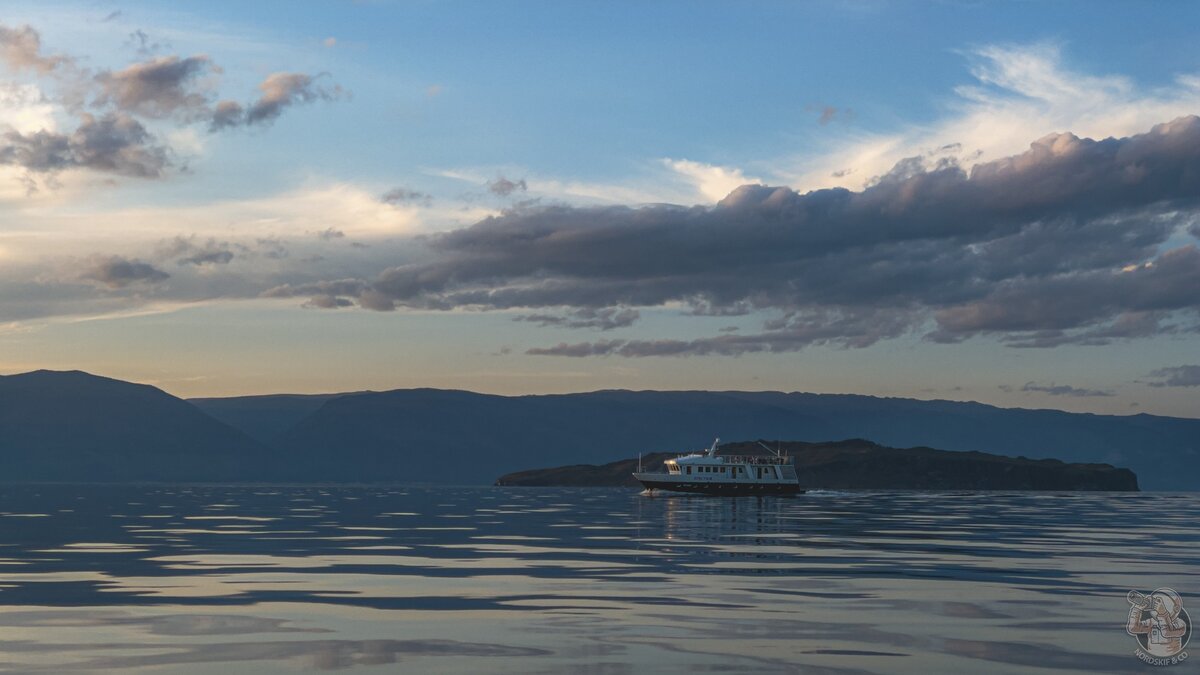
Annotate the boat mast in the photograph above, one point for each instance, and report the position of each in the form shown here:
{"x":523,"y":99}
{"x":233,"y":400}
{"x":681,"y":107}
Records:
{"x":778,"y":454}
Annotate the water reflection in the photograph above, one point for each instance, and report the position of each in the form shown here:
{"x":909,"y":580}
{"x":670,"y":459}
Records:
{"x":177,"y":579}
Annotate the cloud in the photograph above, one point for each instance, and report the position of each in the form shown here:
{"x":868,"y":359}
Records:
{"x":1018,"y":92}
{"x":186,"y":252}
{"x":327,"y":302}
{"x":157,"y":88}
{"x":327,"y":294}
{"x":712,"y":182}
{"x":113,"y":143}
{"x":109,"y":109}
{"x":141,"y":43}
{"x":853,"y":329}
{"x":111,"y":137}
{"x":1177,"y":376}
{"x":1063,"y":242}
{"x":604,"y":319}
{"x":227,"y":114}
{"x":278,"y":91}
{"x":579,"y":350}
{"x":401,"y":195}
{"x":118,"y":272}
{"x":21,"y":49}
{"x":503,"y":187}
{"x":828,"y":113}
{"x":329,"y":234}
{"x":1064,"y":390}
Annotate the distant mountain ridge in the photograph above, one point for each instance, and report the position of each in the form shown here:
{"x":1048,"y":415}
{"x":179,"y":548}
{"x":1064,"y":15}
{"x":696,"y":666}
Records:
{"x":72,"y":426}
{"x":75,"y":426}
{"x":484,"y":436}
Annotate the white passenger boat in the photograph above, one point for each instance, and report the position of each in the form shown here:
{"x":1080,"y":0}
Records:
{"x":709,"y":473}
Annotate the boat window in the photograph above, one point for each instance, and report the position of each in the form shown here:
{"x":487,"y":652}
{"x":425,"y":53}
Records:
{"x":689,"y":469}
{"x":722,"y":469}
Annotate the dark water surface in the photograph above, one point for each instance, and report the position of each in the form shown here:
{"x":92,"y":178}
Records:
{"x":509,"y":580}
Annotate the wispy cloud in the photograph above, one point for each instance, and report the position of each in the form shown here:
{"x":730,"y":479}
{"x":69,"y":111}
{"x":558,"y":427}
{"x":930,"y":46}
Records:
{"x":1176,"y":376}
{"x":1020,"y":92}
{"x":119,"y":272}
{"x":1064,"y":390}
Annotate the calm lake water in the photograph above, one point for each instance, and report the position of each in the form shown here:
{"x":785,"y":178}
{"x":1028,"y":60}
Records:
{"x":509,"y":580}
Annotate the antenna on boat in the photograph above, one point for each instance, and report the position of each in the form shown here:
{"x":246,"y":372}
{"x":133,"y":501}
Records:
{"x":639,"y":462}
{"x":768,"y":449}
{"x":712,"y":451}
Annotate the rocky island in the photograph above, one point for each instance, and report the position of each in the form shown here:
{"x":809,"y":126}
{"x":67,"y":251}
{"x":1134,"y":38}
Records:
{"x":861,"y":464}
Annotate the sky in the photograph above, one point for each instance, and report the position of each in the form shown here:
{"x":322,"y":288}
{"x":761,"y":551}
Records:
{"x":996,"y":202}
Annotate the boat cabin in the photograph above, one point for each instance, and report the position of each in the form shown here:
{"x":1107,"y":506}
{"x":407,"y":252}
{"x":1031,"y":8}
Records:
{"x":731,"y":467}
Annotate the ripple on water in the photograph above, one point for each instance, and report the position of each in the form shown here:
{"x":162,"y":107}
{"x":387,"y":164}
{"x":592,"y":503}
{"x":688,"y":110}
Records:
{"x":528,"y":580}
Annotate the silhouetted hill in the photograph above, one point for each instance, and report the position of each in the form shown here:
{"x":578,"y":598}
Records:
{"x":456,"y":436}
{"x":263,"y":418}
{"x":860,"y":464}
{"x":72,"y":426}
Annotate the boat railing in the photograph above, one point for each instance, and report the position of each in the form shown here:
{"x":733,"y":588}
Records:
{"x":755,"y":459}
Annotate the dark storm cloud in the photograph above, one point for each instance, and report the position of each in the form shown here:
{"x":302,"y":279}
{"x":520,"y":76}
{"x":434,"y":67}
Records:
{"x":119,"y":272}
{"x":1063,"y":390}
{"x":503,"y":187}
{"x":113,"y":143}
{"x":157,"y":88}
{"x":607,"y":318}
{"x":1056,"y":245}
{"x":21,"y":49}
{"x":1177,"y":376}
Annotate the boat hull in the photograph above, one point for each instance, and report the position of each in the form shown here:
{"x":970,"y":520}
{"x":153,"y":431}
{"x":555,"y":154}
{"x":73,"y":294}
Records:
{"x":724,"y":489}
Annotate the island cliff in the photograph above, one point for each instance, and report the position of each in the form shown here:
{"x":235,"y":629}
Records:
{"x":861,"y":464}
